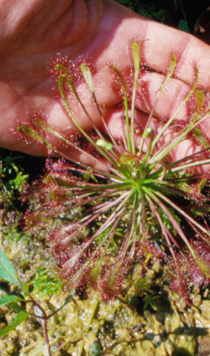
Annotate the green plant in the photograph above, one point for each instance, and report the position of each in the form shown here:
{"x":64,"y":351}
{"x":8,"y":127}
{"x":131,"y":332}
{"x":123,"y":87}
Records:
{"x":142,"y":204}
{"x":16,"y":301}
{"x":46,"y":283}
{"x":12,"y":178}
{"x":159,"y":11}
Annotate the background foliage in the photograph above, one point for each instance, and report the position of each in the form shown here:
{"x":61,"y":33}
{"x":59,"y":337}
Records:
{"x":170,"y":12}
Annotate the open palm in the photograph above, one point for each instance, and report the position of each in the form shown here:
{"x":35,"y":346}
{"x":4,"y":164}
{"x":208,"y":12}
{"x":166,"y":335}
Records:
{"x":33,"y":33}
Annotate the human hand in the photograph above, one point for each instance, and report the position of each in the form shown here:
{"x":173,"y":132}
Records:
{"x":32,"y":34}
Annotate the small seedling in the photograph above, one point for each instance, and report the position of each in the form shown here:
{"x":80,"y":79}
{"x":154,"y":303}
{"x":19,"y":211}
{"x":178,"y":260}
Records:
{"x":12,"y":177}
{"x":23,"y":297}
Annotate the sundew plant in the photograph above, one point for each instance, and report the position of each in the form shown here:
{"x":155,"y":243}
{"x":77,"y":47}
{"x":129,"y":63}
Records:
{"x":139,"y":204}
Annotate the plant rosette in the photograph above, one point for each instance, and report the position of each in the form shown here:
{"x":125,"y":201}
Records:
{"x":136,"y":202}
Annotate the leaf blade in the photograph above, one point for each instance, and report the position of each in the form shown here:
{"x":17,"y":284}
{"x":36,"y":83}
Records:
{"x":7,"y":270}
{"x":18,"y":320}
{"x":67,"y":300}
{"x":7,"y":299}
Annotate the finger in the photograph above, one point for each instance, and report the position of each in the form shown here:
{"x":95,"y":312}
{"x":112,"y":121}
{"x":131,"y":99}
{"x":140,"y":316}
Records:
{"x":175,"y":99}
{"x":158,"y":42}
{"x":163,"y":41}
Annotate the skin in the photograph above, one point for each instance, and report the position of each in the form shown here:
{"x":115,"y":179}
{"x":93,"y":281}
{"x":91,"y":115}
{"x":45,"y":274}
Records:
{"x":33,"y":33}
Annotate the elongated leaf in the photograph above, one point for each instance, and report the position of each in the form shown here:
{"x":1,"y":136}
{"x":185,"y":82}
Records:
{"x":9,"y":299}
{"x":25,"y":288}
{"x":87,"y":76}
{"x":136,"y":58}
{"x":68,"y":299}
{"x":7,"y":270}
{"x":15,"y":307}
{"x":200,"y":137}
{"x":18,"y":320}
